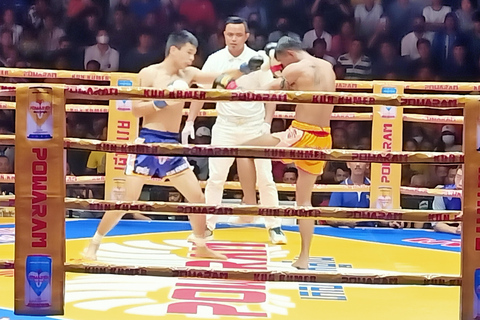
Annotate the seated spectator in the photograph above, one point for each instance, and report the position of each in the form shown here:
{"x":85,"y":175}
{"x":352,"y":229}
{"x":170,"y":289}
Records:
{"x":319,"y":49}
{"x":141,"y":56}
{"x":449,"y":141}
{"x":401,"y":14}
{"x":290,"y":176}
{"x":409,"y":42}
{"x":216,"y":40}
{"x":389,"y":61}
{"x":410,"y":145}
{"x":341,"y":173}
{"x":357,"y":65}
{"x":342,"y":41}
{"x":435,"y":15}
{"x":465,"y":15}
{"x":334,"y":12}
{"x":50,"y":35}
{"x":474,"y":37}
{"x":440,"y":173}
{"x":122,"y":33}
{"x":317,"y":32}
{"x":450,"y":178}
{"x":103,"y":53}
{"x":8,"y":53}
{"x":417,"y":202}
{"x":29,"y":45}
{"x":442,"y":44}
{"x":449,"y":203}
{"x":425,"y":58}
{"x":458,"y":67}
{"x":253,"y":6}
{"x":175,"y":196}
{"x":383,"y":32}
{"x":92,"y":65}
{"x":9,"y":24}
{"x":283,"y":29}
{"x":365,"y":143}
{"x":352,"y":199}
{"x":367,"y":16}
{"x":339,"y":138}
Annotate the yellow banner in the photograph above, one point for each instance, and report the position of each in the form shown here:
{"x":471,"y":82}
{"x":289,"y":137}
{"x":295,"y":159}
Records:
{"x":122,"y":127}
{"x":387,"y":129}
{"x":40,"y":201}
{"x":470,"y":301}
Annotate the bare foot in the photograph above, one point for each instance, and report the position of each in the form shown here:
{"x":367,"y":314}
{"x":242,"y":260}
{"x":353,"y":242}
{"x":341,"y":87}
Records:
{"x":205,"y":252}
{"x":301,"y":263}
{"x":90,"y":253}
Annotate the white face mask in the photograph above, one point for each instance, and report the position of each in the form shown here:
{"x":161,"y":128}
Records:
{"x":418,"y":139}
{"x":103,"y":39}
{"x":448,"y":139}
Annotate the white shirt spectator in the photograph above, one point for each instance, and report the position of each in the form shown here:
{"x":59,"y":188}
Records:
{"x":51,"y":39}
{"x":16,"y":30}
{"x":310,"y":36}
{"x":222,"y":60}
{"x":433,"y":16}
{"x":367,"y":20}
{"x":409,"y":44}
{"x":108,"y":61}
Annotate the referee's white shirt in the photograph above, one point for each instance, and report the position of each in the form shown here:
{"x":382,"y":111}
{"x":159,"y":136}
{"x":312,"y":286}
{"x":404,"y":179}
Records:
{"x":221,"y":61}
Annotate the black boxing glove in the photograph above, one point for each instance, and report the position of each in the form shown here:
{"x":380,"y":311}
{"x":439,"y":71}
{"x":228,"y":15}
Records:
{"x":254,"y":64}
{"x":269,"y":47}
{"x":224,"y":81}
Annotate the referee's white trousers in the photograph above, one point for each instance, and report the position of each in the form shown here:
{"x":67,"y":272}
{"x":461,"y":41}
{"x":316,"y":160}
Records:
{"x":233,"y":131}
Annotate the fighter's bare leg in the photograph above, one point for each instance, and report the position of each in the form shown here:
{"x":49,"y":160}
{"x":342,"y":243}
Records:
{"x":247,"y":176}
{"x":187,"y":184}
{"x":303,"y":194}
{"x":267,"y":140}
{"x":133,"y":189}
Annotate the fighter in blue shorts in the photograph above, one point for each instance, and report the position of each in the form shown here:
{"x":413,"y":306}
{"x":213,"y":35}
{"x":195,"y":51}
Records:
{"x":156,"y":166}
{"x":161,"y":123}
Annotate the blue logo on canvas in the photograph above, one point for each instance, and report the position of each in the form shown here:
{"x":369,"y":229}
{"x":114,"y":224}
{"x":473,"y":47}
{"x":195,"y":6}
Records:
{"x":39,"y":273}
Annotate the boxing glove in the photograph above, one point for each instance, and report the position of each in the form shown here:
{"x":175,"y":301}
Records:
{"x":254,"y":64}
{"x":174,"y":85}
{"x":224,"y":81}
{"x":271,"y":63}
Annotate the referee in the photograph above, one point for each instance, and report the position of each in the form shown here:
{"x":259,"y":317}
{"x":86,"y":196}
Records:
{"x":236,"y":123}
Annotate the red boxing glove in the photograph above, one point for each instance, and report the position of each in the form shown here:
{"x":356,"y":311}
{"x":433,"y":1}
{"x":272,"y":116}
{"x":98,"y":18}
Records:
{"x":224,"y":81}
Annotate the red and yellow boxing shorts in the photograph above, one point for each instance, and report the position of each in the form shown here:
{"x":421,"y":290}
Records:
{"x":304,"y":135}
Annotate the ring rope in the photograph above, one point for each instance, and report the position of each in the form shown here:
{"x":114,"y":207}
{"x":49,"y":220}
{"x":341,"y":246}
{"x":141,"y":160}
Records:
{"x":323,"y":213}
{"x":167,"y":149}
{"x":370,"y":277}
{"x":288,"y":97}
{"x":354,"y":116}
{"x":233,"y":185}
{"x":340,"y":84}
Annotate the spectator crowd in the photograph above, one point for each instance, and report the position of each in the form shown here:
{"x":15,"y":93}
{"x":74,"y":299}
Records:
{"x":424,"y":40}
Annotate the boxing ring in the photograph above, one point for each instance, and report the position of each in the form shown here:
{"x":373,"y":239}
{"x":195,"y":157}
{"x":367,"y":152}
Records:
{"x":257,"y":280}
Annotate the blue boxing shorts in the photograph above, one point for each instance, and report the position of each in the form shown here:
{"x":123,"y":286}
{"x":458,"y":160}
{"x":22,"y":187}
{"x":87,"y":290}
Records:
{"x":155,"y":166}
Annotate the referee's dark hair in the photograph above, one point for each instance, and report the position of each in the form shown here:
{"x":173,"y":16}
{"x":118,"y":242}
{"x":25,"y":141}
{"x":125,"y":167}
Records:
{"x":237,"y":20}
{"x":179,"y":39}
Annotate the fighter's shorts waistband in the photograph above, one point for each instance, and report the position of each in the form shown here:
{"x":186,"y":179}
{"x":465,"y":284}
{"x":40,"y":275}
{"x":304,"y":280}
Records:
{"x":312,"y":129}
{"x":144,"y":132}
